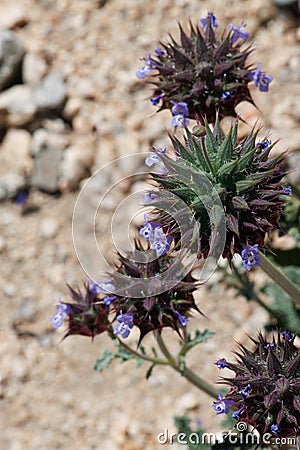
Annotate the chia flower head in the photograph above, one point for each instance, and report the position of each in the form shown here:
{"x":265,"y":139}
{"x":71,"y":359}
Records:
{"x":62,"y":311}
{"x":150,"y":313}
{"x":265,"y":389}
{"x":87,"y":315}
{"x":207,"y":71}
{"x":241,"y":175}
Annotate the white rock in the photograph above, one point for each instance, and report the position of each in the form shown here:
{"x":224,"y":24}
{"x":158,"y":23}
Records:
{"x":51,"y":92}
{"x":48,"y":228}
{"x":34,"y":69}
{"x":10,"y":184}
{"x":17,"y":106}
{"x":15,"y":152}
{"x":77,"y":161}
{"x":12,"y":15}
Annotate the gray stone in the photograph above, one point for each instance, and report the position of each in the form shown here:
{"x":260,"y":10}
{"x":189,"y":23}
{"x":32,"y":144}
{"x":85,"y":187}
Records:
{"x":51,"y":93}
{"x":11,"y":57}
{"x":47,"y":149}
{"x":17,"y":106}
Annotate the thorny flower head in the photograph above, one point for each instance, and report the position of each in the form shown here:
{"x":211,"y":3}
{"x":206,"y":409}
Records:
{"x":207,"y":71}
{"x":241,"y":175}
{"x":152,"y":312}
{"x":265,"y":389}
{"x":86,"y":315}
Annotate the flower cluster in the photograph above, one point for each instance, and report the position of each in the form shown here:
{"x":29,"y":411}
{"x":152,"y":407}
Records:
{"x":86,"y":315}
{"x":265,"y":389}
{"x":204,"y":73}
{"x":150,"y":312}
{"x":154,"y":234}
{"x":243,"y":175}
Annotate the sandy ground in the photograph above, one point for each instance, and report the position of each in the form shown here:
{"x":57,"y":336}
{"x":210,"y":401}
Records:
{"x":50,"y":396}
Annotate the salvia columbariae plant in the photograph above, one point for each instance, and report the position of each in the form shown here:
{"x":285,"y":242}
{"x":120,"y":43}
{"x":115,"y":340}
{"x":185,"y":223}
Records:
{"x":217,"y":177}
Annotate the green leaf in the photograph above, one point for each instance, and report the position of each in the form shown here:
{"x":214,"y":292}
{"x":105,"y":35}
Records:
{"x":105,"y":361}
{"x":211,"y":142}
{"x":199,"y":338}
{"x":228,"y":168}
{"x":246,"y":159}
{"x":239,"y":203}
{"x":226,"y":149}
{"x":197,"y":151}
{"x":149,"y":371}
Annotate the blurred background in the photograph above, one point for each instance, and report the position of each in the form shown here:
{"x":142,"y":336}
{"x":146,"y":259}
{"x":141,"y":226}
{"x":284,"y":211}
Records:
{"x":69,"y":103}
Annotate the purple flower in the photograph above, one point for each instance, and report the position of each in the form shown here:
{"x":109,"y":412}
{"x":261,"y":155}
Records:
{"x":264,"y":144}
{"x":108,"y":299}
{"x":236,"y":414}
{"x":221,"y":363}
{"x":275,"y":429}
{"x":149,"y":197}
{"x":212,"y":18}
{"x":62,"y":312}
{"x":250,"y":256}
{"x":180,"y":108}
{"x":179,"y":121}
{"x":287,"y":190}
{"x":159,"y":52}
{"x":287,"y":335}
{"x":237,"y":32}
{"x":148,"y":228}
{"x":183,"y":320}
{"x":222,"y":406}
{"x":260,"y":79}
{"x":155,"y":100}
{"x":146,"y":68}
{"x":159,"y":150}
{"x":101,"y":287}
{"x":244,"y":392}
{"x":226,"y":96}
{"x":152,"y":159}
{"x":125,"y":324}
{"x":160,"y":242}
{"x":270,"y":345}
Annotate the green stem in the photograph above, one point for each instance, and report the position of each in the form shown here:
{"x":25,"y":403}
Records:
{"x":280,"y":278}
{"x":185,"y":372}
{"x":142,"y":356}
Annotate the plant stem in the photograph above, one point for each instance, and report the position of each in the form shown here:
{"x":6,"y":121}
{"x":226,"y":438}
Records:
{"x":280,"y":278}
{"x":185,"y":372}
{"x":164,"y":362}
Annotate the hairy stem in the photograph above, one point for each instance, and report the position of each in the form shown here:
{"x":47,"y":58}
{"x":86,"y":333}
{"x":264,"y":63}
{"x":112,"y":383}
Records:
{"x":185,"y":372}
{"x":280,"y":278}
